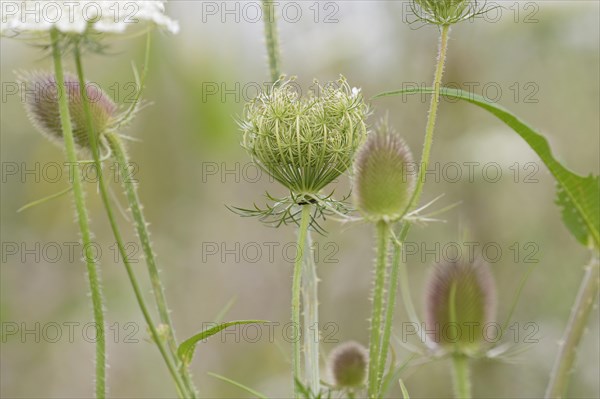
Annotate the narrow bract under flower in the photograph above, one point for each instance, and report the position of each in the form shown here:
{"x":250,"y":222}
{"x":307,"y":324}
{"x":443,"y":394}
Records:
{"x":82,"y":16}
{"x":305,"y":142}
{"x":40,"y":93}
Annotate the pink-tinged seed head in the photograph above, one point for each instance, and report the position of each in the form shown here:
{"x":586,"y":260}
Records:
{"x":40,"y":93}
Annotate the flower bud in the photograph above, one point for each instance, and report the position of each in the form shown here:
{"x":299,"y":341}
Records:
{"x":460,"y":303}
{"x":383,"y":178}
{"x":305,"y":142}
{"x":42,"y":105}
{"x":348,"y":364}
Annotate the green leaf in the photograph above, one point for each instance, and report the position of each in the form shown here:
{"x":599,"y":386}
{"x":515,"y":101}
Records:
{"x":185,"y":352}
{"x":577,"y":196}
{"x":239,"y":385}
{"x":405,"y":394}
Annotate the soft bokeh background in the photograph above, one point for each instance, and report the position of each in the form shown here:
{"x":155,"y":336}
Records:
{"x":191,"y":166}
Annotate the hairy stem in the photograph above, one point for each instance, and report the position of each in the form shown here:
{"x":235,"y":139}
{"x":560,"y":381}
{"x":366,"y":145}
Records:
{"x":144,"y":237}
{"x":377,"y":310}
{"x":296,"y":286}
{"x":82,"y":217}
{"x":563,"y":366}
{"x":462,"y":378}
{"x":433,"y":107}
{"x":93,"y":139}
{"x":391,"y":301}
{"x":310,"y":304}
{"x":271,"y":38}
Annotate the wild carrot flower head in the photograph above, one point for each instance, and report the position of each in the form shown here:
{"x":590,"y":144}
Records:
{"x":348,"y":365}
{"x":460,"y":304}
{"x":447,"y":12}
{"x":383,"y":176}
{"x":81,"y":17}
{"x":305,"y":142}
{"x":40,"y":93}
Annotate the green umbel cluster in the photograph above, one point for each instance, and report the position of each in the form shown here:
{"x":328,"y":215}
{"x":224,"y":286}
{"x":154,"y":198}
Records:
{"x":305,"y":142}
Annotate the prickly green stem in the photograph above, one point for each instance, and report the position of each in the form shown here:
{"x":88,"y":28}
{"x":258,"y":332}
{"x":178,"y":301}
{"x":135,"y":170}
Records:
{"x":296,"y":288}
{"x":377,"y":310}
{"x":93,"y":140}
{"x":588,"y":293}
{"x":462,"y":378}
{"x":82,"y":217}
{"x":271,"y":38}
{"x":310,"y":303}
{"x":433,"y":107}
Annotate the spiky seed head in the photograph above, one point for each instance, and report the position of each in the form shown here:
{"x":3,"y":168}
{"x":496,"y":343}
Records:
{"x":305,"y":142}
{"x":40,"y":93}
{"x":348,"y":364}
{"x":460,"y":304}
{"x":446,"y":12}
{"x":384,"y":178}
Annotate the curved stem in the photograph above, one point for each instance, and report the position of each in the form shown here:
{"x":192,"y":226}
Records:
{"x":296,"y":285}
{"x":271,"y":38}
{"x":377,"y":311}
{"x":93,"y":139}
{"x":588,"y":293}
{"x":433,"y":107}
{"x":462,"y":378}
{"x":82,"y":217}
{"x":144,"y":237}
{"x":310,"y":304}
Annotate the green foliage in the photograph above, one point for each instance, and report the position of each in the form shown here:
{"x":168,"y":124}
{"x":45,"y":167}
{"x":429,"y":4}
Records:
{"x":185,"y":352}
{"x":577,"y":196}
{"x":239,"y":385}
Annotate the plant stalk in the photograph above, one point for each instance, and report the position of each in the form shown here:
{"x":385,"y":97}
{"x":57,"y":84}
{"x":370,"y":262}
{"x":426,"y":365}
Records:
{"x":377,"y":311}
{"x":93,"y":139}
{"x":272,"y":39}
{"x":310,"y":305}
{"x":462,"y":378}
{"x":296,"y":288}
{"x":144,"y":237}
{"x":82,"y":217}
{"x":563,"y":366}
{"x":433,"y":108}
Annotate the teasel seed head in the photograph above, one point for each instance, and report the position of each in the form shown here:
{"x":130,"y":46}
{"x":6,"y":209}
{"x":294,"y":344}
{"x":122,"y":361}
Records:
{"x":384,"y":178}
{"x":40,"y":93}
{"x":460,"y":304}
{"x":348,"y":364}
{"x":305,"y":142}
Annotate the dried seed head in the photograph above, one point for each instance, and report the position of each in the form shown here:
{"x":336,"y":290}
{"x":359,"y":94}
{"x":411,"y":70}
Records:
{"x":383,"y":176}
{"x":305,"y":142}
{"x":460,"y":303}
{"x":348,"y":364}
{"x":40,"y":93}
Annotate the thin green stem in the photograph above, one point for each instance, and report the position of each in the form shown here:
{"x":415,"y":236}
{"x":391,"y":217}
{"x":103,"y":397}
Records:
{"x":82,"y":217}
{"x":433,"y":108}
{"x":271,"y":38}
{"x":563,"y":366}
{"x":93,"y":139}
{"x":391,"y":302}
{"x":383,"y":231}
{"x":462,"y":378}
{"x":296,"y":286}
{"x":144,"y":237}
{"x":310,"y":305}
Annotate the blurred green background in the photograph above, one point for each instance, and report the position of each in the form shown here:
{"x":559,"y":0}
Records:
{"x":190,"y":166}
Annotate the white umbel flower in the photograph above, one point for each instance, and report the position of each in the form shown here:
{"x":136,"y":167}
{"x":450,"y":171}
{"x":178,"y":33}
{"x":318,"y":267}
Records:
{"x":82,"y":16}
